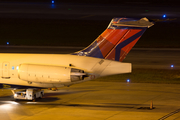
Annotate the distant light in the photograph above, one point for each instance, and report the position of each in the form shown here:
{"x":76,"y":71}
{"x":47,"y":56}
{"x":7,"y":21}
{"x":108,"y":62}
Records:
{"x":7,"y":43}
{"x":172,"y":66}
{"x":128,"y":80}
{"x":12,"y":67}
{"x":53,"y":6}
{"x":164,"y":16}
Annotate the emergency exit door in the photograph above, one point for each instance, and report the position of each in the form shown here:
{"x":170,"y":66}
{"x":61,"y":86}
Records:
{"x":6,"y":70}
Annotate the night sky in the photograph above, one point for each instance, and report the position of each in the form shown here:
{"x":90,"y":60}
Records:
{"x":168,"y":2}
{"x":73,"y":24}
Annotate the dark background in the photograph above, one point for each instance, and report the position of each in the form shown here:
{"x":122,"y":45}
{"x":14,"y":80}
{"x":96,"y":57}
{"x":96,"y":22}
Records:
{"x":102,"y":1}
{"x":69,"y":23}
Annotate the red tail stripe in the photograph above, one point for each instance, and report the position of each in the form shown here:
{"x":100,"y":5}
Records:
{"x":127,"y":49}
{"x":111,"y":56}
{"x":105,"y":50}
{"x":113,"y":35}
{"x":130,"y":34}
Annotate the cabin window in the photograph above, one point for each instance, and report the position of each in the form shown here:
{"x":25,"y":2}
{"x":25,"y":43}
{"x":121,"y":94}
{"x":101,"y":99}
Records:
{"x":12,"y":67}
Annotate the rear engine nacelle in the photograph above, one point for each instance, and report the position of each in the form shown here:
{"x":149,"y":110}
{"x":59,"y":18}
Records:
{"x":49,"y":74}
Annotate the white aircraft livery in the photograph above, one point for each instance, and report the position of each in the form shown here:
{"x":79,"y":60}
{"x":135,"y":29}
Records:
{"x":101,"y":58}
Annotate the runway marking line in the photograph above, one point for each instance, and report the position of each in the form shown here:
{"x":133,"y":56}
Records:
{"x":170,"y":114}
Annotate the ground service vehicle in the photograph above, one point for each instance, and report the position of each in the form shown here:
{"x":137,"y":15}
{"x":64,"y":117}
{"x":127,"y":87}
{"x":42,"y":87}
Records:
{"x":29,"y":94}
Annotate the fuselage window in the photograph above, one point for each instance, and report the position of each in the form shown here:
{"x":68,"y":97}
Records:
{"x":12,"y":67}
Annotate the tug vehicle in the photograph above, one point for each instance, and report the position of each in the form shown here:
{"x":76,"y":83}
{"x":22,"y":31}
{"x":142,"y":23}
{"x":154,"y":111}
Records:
{"x":28,"y":94}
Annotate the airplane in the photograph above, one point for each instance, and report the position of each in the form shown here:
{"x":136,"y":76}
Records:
{"x":102,"y":57}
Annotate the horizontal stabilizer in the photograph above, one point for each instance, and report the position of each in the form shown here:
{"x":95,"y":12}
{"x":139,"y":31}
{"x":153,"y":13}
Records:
{"x":117,"y":68}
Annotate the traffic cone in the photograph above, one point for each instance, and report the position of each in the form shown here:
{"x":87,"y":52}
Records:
{"x":151,"y":105}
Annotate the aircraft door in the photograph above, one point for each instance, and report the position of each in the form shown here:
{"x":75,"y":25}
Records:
{"x":5,"y":70}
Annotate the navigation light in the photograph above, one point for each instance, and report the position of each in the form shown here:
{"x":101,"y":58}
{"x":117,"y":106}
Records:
{"x":172,"y":66}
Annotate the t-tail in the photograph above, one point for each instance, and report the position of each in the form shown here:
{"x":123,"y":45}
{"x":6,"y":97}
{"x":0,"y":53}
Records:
{"x":117,"y":40}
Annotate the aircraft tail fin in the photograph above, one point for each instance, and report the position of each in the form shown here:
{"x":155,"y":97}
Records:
{"x":117,"y":40}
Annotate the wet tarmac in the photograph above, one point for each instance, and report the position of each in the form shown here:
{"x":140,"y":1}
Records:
{"x":99,"y":101}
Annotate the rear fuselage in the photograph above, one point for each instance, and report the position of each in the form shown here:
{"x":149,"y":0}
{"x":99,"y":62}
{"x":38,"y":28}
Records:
{"x":52,"y":70}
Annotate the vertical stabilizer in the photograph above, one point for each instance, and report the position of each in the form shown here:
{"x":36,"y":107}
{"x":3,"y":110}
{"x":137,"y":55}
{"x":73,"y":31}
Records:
{"x":117,"y":40}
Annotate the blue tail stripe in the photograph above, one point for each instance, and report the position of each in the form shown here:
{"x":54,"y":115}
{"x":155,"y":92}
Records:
{"x":96,"y":53}
{"x":126,"y":42}
{"x":89,"y":48}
